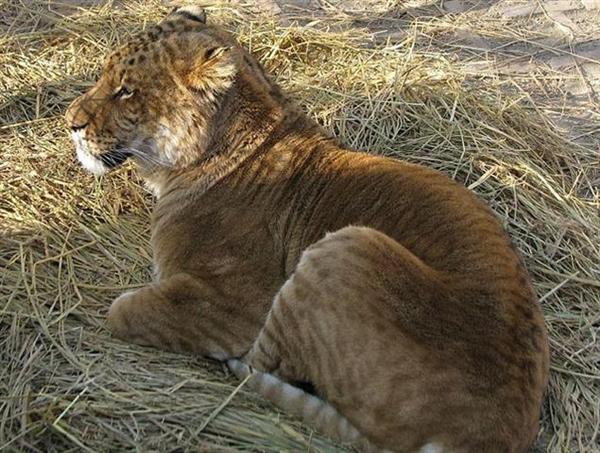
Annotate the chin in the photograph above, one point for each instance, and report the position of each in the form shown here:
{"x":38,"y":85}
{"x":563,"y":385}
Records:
{"x":88,"y":160}
{"x":91,"y":163}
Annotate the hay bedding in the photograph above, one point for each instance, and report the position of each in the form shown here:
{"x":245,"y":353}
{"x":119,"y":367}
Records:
{"x":70,"y":243}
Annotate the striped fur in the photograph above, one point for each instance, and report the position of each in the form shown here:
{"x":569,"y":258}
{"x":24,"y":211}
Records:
{"x":388,"y":287}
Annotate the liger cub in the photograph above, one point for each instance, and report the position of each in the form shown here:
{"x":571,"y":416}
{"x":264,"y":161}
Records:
{"x":390,"y":289}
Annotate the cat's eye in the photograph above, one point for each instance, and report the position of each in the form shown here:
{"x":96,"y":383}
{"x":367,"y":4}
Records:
{"x":123,"y":93}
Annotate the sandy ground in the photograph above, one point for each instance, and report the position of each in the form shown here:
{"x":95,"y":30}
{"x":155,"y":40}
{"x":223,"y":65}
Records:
{"x":551,"y":51}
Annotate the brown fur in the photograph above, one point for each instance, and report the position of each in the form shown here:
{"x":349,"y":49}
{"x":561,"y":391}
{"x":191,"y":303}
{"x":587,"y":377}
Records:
{"x":391,"y":289}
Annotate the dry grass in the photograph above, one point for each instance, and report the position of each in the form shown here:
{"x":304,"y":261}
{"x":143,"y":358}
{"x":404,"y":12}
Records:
{"x":70,"y":243}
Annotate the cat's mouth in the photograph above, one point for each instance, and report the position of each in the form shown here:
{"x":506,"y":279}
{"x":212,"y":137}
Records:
{"x":114,"y":158}
{"x":97,"y":164}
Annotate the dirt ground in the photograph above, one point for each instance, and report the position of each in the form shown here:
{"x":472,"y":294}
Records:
{"x":551,"y":50}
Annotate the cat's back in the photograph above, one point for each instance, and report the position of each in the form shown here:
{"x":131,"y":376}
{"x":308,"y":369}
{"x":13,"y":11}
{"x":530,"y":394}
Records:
{"x":436,"y":218}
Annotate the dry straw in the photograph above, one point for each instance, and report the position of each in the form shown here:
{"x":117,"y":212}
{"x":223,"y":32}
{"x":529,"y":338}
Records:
{"x":71,"y":243}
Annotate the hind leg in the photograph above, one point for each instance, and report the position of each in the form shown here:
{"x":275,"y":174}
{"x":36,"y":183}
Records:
{"x":352,"y":277}
{"x":341,"y":322}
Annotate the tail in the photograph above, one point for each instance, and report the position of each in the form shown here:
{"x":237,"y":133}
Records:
{"x":312,"y":410}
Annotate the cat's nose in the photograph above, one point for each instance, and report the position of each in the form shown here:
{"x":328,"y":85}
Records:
{"x":78,"y":127}
{"x":76,"y":116}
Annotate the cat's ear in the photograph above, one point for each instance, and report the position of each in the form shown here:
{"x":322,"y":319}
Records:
{"x":190,"y":13}
{"x":213,"y":69}
{"x":216,"y":52}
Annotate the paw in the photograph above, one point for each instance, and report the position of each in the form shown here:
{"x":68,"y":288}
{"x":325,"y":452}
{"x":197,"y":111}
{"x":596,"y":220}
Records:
{"x":239,"y":368}
{"x":118,"y":317}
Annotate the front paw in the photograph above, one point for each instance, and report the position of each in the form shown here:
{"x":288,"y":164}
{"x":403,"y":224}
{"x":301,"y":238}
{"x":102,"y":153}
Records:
{"x":119,"y":316}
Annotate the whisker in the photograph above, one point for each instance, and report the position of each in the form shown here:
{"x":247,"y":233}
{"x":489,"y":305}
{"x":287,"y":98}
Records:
{"x":148,"y":157}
